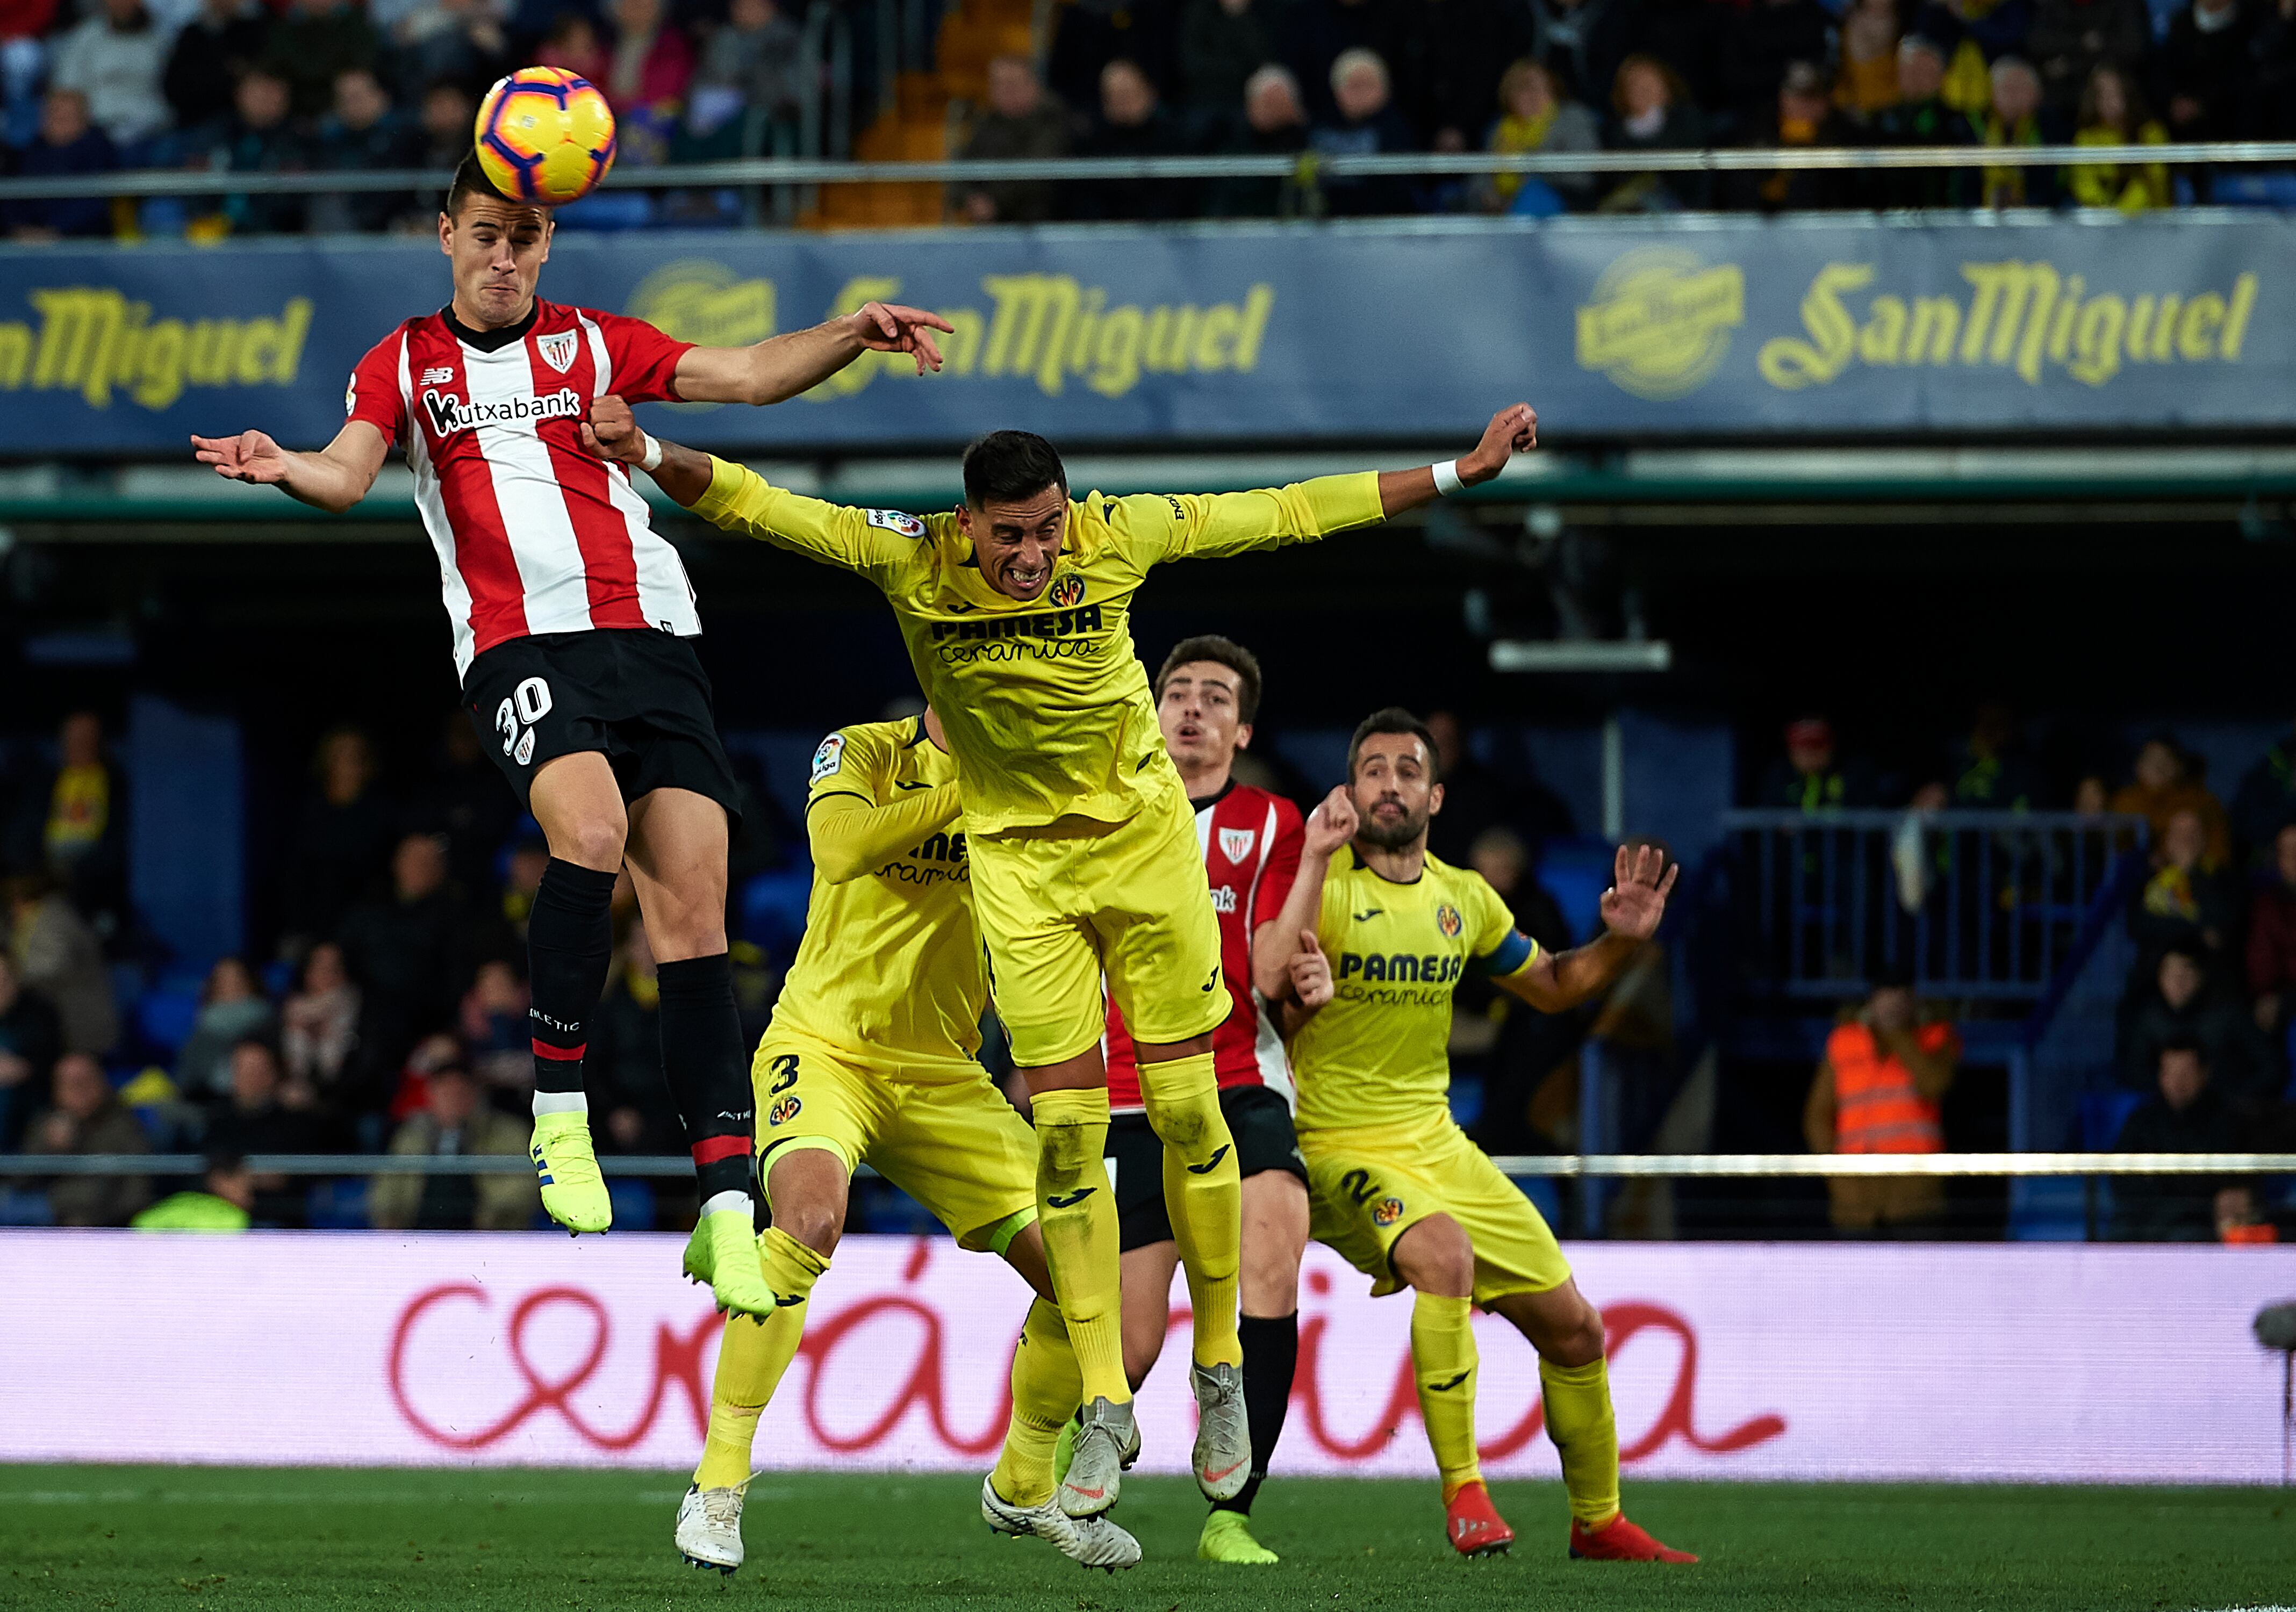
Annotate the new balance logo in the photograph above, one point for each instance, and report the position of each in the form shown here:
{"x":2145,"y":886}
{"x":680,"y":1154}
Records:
{"x":1211,"y":1164}
{"x":449,"y":413}
{"x":1445,"y":1387}
{"x":436,"y":374}
{"x":1069,"y":1200}
{"x":1369,"y":912}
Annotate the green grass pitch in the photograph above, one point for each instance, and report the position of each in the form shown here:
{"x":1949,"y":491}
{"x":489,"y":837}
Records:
{"x":217,"y":1540}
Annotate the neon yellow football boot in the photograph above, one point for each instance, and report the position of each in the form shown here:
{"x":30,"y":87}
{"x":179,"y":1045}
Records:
{"x":723,"y":1252}
{"x":572,"y":1190}
{"x":1228,"y":1537}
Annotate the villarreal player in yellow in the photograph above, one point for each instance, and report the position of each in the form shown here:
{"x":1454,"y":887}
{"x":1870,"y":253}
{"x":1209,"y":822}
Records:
{"x":1385,"y":932}
{"x":1015,"y":609}
{"x":870,"y":1059}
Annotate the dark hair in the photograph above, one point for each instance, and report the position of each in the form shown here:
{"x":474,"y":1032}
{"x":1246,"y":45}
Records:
{"x":2187,"y":948}
{"x":1893,"y":977}
{"x":470,"y":180}
{"x":1011,"y":465}
{"x":1220,"y":651}
{"x":1395,"y":719}
{"x":222,"y":1164}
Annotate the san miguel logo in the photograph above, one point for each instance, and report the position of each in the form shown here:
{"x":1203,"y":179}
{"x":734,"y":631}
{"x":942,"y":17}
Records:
{"x":1659,"y":326}
{"x":449,"y":413}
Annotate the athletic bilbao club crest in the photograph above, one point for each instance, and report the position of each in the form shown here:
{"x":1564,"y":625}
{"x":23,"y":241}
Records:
{"x":786,"y":1110}
{"x":557,"y":349}
{"x":1447,"y":919}
{"x":1237,"y":842}
{"x":1067,"y":591}
{"x":1386,"y":1211}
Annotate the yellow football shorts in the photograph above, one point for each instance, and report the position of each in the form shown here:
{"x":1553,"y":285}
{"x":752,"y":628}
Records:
{"x":1371,"y":1184}
{"x":939,"y":1130}
{"x":1063,"y":906}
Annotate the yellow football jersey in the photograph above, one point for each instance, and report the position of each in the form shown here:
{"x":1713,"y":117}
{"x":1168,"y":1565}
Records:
{"x":1375,"y":1054}
{"x":890,"y":963}
{"x":1045,"y":704}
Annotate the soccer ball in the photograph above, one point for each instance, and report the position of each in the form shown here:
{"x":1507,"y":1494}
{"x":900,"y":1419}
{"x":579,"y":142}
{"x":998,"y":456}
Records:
{"x":545,"y":136}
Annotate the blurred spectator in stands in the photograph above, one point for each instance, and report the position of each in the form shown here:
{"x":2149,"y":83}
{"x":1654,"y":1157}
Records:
{"x":2265,"y":801}
{"x":1879,"y":1089}
{"x":117,"y":59}
{"x":87,"y":1117}
{"x":57,"y":955}
{"x":2181,"y":1004}
{"x":572,"y":44}
{"x":210,"y":53}
{"x":462,"y":40}
{"x":1922,"y":117}
{"x":1686,"y":35}
{"x":2271,"y":936}
{"x":1222,"y":43}
{"x":232,"y":1009}
{"x":410,"y":954}
{"x":266,"y":1113}
{"x":1275,"y":124}
{"x":1812,"y":776}
{"x":1523,"y":1049}
{"x":2016,"y":117}
{"x":456,"y":1124}
{"x":1132,"y":122}
{"x":81,"y":808}
{"x":319,"y":1028}
{"x":464,"y":803}
{"x":1317,"y":33}
{"x":1759,"y":45}
{"x":2240,"y":1215}
{"x":1803,"y":116}
{"x":1366,"y":123}
{"x":2071,"y":39}
{"x":623,"y":1068}
{"x":1989,"y":770}
{"x":1087,"y":36}
{"x":314,"y":41}
{"x":346,"y":833}
{"x":1449,"y":55}
{"x":1474,"y":798}
{"x":2091,"y":798}
{"x":449,"y":113}
{"x":224,"y":1201}
{"x":2205,"y":70}
{"x":2112,"y":113}
{"x":2185,"y":1114}
{"x":493,"y":1024}
{"x":67,"y":144}
{"x":30,"y":1039}
{"x":1652,"y":111}
{"x":364,"y":133}
{"x":652,"y":59}
{"x":1582,"y":42}
{"x":260,"y":138}
{"x":2188,"y":900}
{"x":1534,"y":116}
{"x":1867,"y":83}
{"x":2161,"y":785}
{"x":2273,"y":115}
{"x":757,"y":55}
{"x":1023,"y":121}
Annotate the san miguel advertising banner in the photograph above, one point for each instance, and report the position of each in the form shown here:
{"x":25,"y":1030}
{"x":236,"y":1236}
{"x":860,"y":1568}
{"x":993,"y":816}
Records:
{"x":1277,"y":334}
{"x":2039,"y":1362}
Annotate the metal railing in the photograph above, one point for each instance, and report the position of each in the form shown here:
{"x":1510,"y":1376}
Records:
{"x":829,"y":119}
{"x":1974,"y":903}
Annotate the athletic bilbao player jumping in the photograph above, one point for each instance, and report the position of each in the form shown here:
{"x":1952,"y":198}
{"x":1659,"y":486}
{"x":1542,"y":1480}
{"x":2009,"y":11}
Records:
{"x":571,"y":617}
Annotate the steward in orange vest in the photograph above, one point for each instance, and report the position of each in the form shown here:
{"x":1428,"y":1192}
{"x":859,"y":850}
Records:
{"x":1878,"y":1091}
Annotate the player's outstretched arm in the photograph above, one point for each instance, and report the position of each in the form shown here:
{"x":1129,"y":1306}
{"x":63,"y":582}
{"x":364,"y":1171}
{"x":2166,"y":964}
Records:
{"x":1276,"y":943}
{"x":1631,"y":909}
{"x":1513,"y":429}
{"x":334,"y":478}
{"x":782,"y":366}
{"x":852,"y":834}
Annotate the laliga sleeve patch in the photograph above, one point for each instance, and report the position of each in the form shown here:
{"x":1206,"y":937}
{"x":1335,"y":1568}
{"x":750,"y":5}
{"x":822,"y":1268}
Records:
{"x":350,"y":395}
{"x":896,"y":520}
{"x":829,"y":757}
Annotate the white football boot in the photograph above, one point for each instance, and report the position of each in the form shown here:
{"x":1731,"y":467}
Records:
{"x":1089,"y":1541}
{"x":709,"y":1528}
{"x":1107,"y":1441}
{"x":1223,"y":1452}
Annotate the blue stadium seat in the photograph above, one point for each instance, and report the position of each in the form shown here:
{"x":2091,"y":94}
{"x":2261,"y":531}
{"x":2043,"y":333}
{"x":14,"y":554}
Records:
{"x":337,"y":1205}
{"x":773,"y":909}
{"x":633,"y":1201}
{"x":607,"y":212}
{"x":2102,"y":1115}
{"x":1575,"y":872}
{"x":165,"y":1014}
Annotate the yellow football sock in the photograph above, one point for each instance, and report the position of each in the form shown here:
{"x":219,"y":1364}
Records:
{"x":751,"y":1356}
{"x":1076,"y":1212}
{"x":1443,"y":1366}
{"x":1203,"y":1195}
{"x":1578,"y":1421}
{"x":1046,"y":1389}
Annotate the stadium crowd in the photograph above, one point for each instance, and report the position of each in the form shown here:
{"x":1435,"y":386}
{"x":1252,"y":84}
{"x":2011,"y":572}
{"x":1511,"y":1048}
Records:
{"x":88,"y":87}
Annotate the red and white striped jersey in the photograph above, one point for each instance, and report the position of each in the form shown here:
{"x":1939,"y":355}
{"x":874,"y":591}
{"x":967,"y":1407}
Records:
{"x":1251,"y":841}
{"x":534,"y":534}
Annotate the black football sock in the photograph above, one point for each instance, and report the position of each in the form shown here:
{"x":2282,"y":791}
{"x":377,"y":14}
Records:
{"x":569,"y":940}
{"x":1271,"y":1352}
{"x":703,"y":1060}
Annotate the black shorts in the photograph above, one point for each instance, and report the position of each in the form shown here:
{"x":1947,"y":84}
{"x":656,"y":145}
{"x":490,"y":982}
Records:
{"x":1259,"y":1120}
{"x":636,"y":696}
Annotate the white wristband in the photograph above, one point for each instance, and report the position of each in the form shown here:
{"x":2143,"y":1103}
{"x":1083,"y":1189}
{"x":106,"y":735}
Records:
{"x":652,"y":459}
{"x":1447,"y":479}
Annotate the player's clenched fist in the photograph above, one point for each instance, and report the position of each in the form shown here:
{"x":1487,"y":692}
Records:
{"x":1311,"y":973}
{"x":1331,"y":824}
{"x":612,"y":431}
{"x":249,"y":456}
{"x":1513,"y":431}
